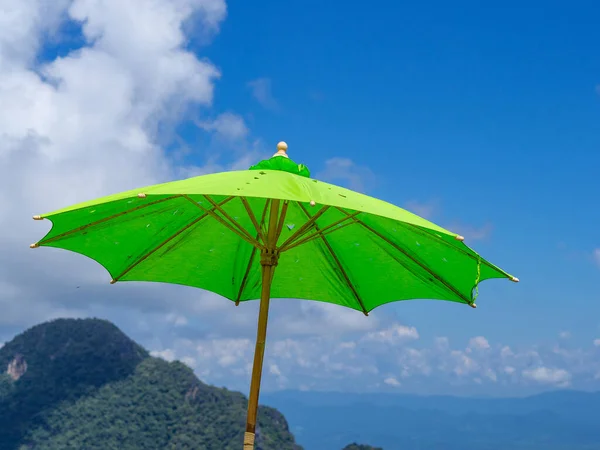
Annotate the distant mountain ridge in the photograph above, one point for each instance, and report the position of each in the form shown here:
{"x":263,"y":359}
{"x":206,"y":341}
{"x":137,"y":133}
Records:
{"x":83,"y":384}
{"x":562,"y":420}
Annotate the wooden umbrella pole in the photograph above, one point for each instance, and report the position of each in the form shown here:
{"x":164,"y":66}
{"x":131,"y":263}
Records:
{"x":268,"y":261}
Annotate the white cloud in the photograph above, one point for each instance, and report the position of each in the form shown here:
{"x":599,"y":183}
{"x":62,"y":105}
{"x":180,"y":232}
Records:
{"x":262,"y":92}
{"x":478,"y":343}
{"x":301,"y":317}
{"x":228,"y":125}
{"x":564,"y":334}
{"x":85,"y":125}
{"x":413,"y":361}
{"x":393,"y":335}
{"x":323,"y":361}
{"x":166,"y":354}
{"x":347,"y":173}
{"x":545,"y":375}
{"x":176,"y":319}
{"x":189,"y":361}
{"x":463,"y":364}
{"x":226,"y":352}
{"x":509,"y":370}
{"x":491,"y":374}
{"x":21,"y":24}
{"x":442,"y":343}
{"x":274,"y":369}
{"x":392,"y":381}
{"x":423,"y":209}
{"x":596,"y":342}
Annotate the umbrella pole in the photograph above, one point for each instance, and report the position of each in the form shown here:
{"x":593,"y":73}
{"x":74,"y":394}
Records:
{"x":268,"y":261}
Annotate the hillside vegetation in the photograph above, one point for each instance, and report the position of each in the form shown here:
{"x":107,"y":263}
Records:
{"x":83,"y":384}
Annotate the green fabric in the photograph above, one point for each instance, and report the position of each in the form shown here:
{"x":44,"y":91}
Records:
{"x":390,"y":254}
{"x":282,"y":163}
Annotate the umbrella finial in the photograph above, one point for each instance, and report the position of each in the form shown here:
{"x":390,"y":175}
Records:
{"x":282,"y":149}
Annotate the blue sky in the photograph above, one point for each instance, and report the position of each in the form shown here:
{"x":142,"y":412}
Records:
{"x":489,"y":114}
{"x":485,"y":119}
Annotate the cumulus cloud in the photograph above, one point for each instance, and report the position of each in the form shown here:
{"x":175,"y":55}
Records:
{"x":300,"y":317}
{"x":395,"y":355}
{"x":394,"y":334}
{"x":506,"y":352}
{"x":166,"y":354}
{"x":546,"y":375}
{"x":90,"y":122}
{"x":85,"y":124}
{"x":228,"y":126}
{"x":392,"y":381}
{"x":478,"y":343}
{"x":262,"y":92}
{"x":176,"y":319}
{"x":346,"y":172}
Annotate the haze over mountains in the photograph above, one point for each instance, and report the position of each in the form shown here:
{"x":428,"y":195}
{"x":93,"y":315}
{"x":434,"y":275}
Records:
{"x":565,"y":420}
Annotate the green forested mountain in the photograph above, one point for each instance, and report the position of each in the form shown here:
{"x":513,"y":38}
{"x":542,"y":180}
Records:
{"x":83,"y":384}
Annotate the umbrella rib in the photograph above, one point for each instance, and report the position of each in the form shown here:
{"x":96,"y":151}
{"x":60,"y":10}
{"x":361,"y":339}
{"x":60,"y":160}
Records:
{"x":106,"y":219}
{"x":253,"y":218}
{"x":415,"y":260}
{"x":246,"y":237}
{"x":475,"y":258}
{"x":282,"y":215}
{"x":338,"y":264}
{"x":253,"y":254}
{"x":304,"y":228}
{"x":232,"y":220}
{"x":445,"y":243}
{"x":163,"y":243}
{"x":323,"y":232}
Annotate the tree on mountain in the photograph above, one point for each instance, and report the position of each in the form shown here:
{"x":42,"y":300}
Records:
{"x":355,"y":446}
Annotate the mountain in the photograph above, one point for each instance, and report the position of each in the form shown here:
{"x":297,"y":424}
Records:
{"x":356,"y":446}
{"x":562,"y":420}
{"x":83,"y":384}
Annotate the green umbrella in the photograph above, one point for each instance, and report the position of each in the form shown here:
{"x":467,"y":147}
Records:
{"x":229,"y":232}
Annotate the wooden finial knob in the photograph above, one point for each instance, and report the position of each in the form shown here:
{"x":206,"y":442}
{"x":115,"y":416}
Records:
{"x":281,"y":149}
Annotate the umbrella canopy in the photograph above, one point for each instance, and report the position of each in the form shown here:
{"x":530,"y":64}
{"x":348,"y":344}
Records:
{"x":227,"y":232}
